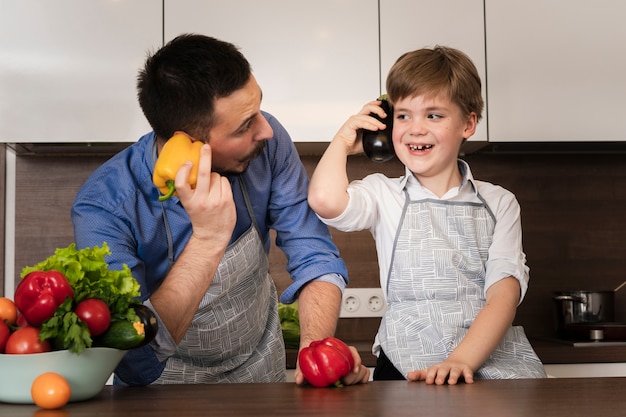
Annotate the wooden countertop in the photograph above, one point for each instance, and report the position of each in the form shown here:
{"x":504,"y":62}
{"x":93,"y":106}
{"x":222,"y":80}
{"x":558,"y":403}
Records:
{"x":541,"y":397}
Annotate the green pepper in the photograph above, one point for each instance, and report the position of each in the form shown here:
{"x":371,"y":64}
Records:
{"x":179,"y":149}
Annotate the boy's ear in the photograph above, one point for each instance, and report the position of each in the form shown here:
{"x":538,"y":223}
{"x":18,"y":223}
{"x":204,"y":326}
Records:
{"x":470,"y":125}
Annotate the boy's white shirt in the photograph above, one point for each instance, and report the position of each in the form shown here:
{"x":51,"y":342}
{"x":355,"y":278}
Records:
{"x":376,"y":203}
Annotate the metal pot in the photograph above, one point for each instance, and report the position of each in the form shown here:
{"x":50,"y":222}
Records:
{"x":582,"y":307}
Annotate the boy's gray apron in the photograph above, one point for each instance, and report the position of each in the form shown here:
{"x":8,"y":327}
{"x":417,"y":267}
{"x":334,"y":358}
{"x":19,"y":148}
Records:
{"x":235,"y":335}
{"x":435,"y":290}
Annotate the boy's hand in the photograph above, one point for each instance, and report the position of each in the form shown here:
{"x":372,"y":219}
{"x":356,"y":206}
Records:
{"x":446,"y":371}
{"x":351,"y":131}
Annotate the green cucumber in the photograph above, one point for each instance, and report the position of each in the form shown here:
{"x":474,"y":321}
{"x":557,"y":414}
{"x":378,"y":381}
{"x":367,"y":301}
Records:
{"x":123,"y":335}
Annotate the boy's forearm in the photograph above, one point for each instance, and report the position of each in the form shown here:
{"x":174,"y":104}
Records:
{"x":490,"y":325}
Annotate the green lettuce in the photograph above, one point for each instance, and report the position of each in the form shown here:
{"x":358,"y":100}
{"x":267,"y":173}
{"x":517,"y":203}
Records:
{"x":90,"y":277}
{"x":290,"y":324}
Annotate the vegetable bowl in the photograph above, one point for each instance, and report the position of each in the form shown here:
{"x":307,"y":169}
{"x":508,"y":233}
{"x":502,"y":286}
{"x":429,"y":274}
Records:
{"x":72,"y":316}
{"x":87,"y":372}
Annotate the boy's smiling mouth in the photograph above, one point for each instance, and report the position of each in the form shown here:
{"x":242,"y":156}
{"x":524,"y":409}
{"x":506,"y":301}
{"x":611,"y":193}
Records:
{"x":417,"y":148}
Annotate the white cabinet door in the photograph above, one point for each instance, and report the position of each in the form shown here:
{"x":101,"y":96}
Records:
{"x":408,"y":25}
{"x":316,"y":61}
{"x":556,"y":70}
{"x":68,"y":68}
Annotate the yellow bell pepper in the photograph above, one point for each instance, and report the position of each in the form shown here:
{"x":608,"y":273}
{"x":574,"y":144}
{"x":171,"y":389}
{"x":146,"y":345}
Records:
{"x":176,"y":151}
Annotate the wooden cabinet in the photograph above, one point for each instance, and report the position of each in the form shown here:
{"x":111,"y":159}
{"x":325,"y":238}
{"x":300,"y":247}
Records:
{"x":405,"y":26}
{"x":68,"y":68}
{"x":556,"y":70}
{"x":317,"y":62}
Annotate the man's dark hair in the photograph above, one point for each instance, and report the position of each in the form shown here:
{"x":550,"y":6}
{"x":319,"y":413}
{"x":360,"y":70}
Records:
{"x":179,"y":84}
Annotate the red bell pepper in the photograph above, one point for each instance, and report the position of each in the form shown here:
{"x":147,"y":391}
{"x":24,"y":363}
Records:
{"x":325,"y":361}
{"x":39,"y":294}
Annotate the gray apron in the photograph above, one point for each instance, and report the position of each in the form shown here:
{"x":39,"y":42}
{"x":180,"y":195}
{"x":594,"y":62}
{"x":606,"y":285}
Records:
{"x":235,"y":335}
{"x":435,"y":290}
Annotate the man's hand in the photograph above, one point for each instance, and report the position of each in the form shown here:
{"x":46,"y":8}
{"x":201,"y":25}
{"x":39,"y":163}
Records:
{"x":210,"y":205}
{"x":360,"y":373}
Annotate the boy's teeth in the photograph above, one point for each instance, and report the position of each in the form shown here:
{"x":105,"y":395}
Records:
{"x":419,"y":147}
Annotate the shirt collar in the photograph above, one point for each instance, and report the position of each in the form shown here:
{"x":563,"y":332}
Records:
{"x":409,"y":180}
{"x":467,"y":177}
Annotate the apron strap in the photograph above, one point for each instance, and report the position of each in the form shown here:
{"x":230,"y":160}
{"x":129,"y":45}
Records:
{"x":407,"y":199}
{"x":168,"y":230}
{"x":246,"y":197}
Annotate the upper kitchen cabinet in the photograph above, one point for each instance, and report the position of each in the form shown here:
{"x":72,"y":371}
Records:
{"x":556,"y":70}
{"x":68,"y":68}
{"x":408,"y":25}
{"x":316,"y":61}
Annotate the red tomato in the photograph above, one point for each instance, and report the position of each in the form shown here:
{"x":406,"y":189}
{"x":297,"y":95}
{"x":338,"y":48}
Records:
{"x":95,"y":314}
{"x":26,"y":340}
{"x":5,"y":332}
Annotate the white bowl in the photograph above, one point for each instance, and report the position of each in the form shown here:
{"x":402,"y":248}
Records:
{"x":86,"y":373}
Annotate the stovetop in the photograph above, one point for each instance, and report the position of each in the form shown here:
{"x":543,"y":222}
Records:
{"x":586,"y":343}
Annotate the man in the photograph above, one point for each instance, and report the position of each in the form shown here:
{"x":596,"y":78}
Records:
{"x":201,"y":256}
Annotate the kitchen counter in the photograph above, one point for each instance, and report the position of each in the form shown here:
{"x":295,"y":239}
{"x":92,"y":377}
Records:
{"x":542,"y":397}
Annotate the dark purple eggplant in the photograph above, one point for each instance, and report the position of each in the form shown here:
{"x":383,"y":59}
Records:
{"x":149,"y":320}
{"x":377,"y":144}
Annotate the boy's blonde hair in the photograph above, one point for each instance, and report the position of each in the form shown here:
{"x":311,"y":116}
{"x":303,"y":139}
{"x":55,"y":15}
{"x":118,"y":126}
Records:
{"x":437,"y":71}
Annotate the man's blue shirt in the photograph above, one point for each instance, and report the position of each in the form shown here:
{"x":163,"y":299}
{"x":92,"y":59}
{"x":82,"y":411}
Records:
{"x":118,"y":204}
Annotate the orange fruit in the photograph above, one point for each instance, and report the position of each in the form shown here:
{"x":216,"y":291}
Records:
{"x":50,"y":390}
{"x":8,"y":311}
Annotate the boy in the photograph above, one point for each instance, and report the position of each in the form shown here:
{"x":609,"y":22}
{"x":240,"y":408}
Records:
{"x":449,"y":247}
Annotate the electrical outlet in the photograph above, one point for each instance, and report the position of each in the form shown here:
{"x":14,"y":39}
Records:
{"x":351,"y":304}
{"x":362,"y":302}
{"x":375,"y":304}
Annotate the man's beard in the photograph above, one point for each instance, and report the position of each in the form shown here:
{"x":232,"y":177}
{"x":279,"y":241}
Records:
{"x":243,"y":162}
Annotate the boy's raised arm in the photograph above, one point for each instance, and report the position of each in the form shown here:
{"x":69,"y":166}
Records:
{"x":328,"y":195}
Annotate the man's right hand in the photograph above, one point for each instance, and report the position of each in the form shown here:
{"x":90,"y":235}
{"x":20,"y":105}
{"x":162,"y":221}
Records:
{"x":210,"y":205}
